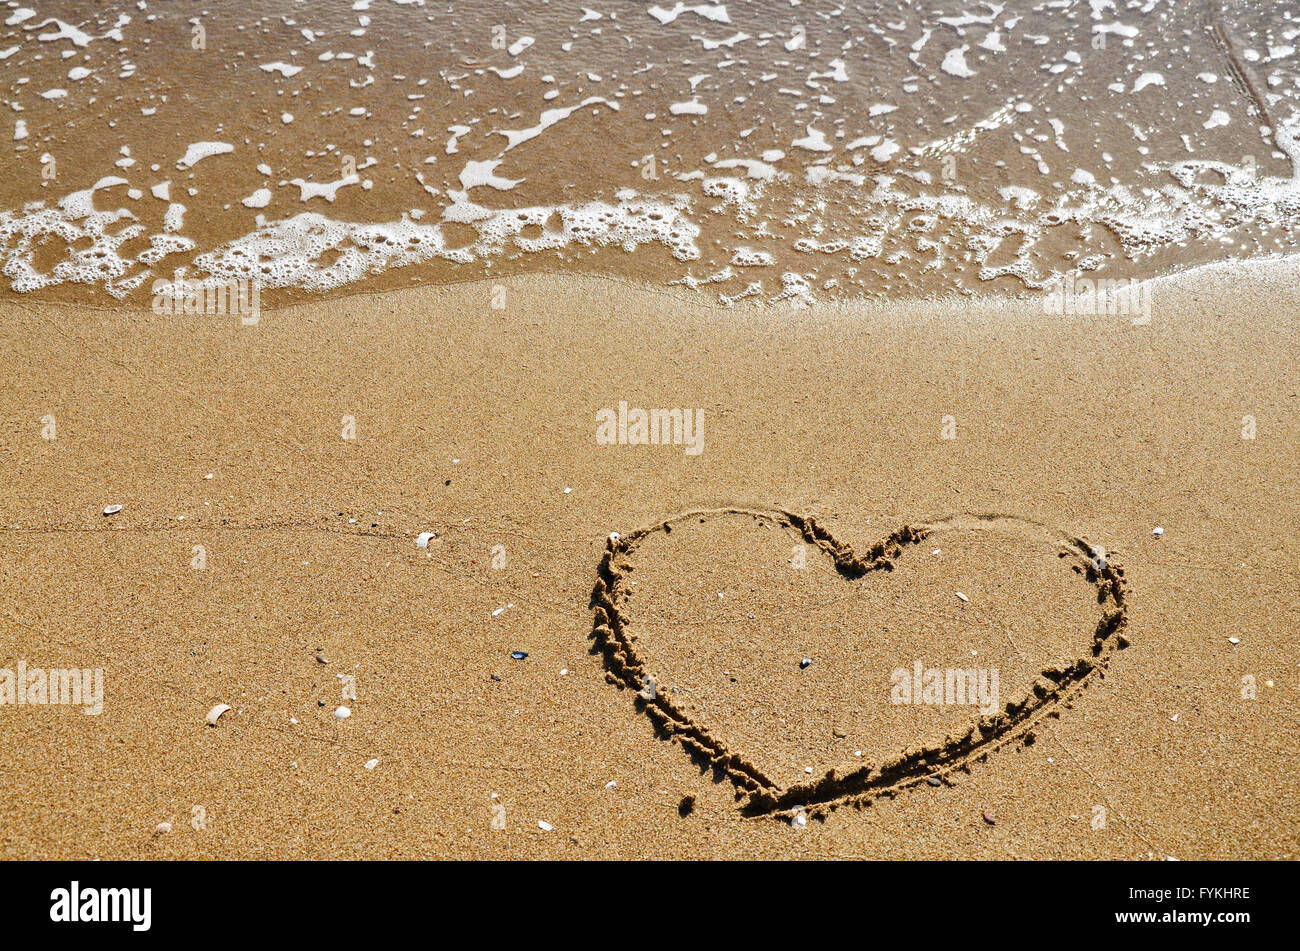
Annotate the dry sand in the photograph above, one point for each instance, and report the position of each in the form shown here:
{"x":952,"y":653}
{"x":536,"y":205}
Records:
{"x":1076,"y":427}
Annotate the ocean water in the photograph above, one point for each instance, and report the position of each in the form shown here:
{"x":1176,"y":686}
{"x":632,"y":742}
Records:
{"x":747,"y":150}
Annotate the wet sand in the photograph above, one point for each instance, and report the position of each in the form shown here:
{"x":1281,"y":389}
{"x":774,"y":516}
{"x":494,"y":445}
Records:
{"x":472,"y":422}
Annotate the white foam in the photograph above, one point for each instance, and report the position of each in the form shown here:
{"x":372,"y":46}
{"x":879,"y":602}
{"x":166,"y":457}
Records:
{"x":198,"y":151}
{"x":749,"y":257}
{"x":692,"y":108}
{"x":549,"y":118}
{"x":284,"y":69}
{"x":1217,"y":118}
{"x":717,"y":12}
{"x":814,"y":141}
{"x":475,"y":174}
{"x":327,"y":190}
{"x":1148,"y":79}
{"x":954,"y":63}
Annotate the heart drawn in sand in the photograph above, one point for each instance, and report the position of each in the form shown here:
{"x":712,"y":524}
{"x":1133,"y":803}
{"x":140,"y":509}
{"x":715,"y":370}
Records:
{"x":631,"y":662}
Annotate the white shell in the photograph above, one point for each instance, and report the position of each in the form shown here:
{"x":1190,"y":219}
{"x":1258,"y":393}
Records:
{"x":372,"y":764}
{"x":215,"y":713}
{"x":342,"y":713}
{"x":422,"y":539}
{"x":112,"y":509}
{"x":962,"y":596}
{"x":1157,"y":530}
{"x":544,"y":826}
{"x":162,"y":828}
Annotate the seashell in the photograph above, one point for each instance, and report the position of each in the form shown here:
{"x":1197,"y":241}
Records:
{"x":215,"y":713}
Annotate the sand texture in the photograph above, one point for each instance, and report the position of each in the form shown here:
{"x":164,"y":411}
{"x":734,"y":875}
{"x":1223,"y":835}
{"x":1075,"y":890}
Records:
{"x":826,"y":519}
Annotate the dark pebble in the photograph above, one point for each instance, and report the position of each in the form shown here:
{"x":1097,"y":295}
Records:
{"x":519,"y":655}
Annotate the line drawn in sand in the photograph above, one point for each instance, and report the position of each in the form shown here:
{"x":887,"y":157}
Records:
{"x":1055,"y":687}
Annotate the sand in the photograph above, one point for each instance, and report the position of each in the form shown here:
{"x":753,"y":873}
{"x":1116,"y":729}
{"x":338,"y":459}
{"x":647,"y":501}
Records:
{"x":293,"y":573}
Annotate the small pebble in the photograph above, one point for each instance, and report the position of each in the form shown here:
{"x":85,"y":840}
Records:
{"x":962,"y":596}
{"x":1234,"y":640}
{"x":1157,"y":530}
{"x":162,"y":828}
{"x":342,"y":713}
{"x":567,"y":490}
{"x":934,"y":781}
{"x":650,"y":691}
{"x":372,"y":764}
{"x":612,"y":784}
{"x":799,"y":820}
{"x":990,"y":819}
{"x":808,"y":770}
{"x":805,"y":663}
{"x":544,"y":826}
{"x":519,"y":655}
{"x":112,"y":509}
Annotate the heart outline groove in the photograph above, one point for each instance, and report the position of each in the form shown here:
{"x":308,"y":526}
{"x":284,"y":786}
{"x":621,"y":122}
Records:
{"x":1054,"y":687}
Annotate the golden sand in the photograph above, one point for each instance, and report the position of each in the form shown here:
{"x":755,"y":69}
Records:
{"x":291,"y":578}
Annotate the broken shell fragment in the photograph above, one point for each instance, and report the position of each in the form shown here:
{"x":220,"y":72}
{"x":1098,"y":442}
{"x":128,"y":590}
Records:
{"x":112,"y":509}
{"x":215,"y":713}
